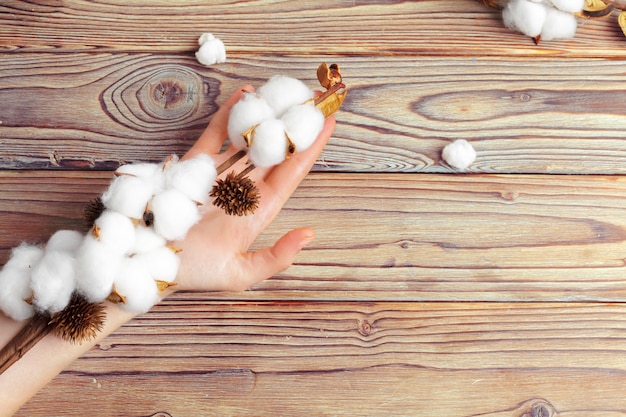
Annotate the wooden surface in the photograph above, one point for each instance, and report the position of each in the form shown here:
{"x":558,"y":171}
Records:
{"x":498,"y":292}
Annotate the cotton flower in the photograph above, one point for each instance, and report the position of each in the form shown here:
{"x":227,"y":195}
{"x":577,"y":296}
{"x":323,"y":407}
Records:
{"x":558,"y":25}
{"x":146,"y":240}
{"x":545,"y":19}
{"x":269,"y":144}
{"x":115,"y":231}
{"x":303,"y":123}
{"x":212,"y":50}
{"x":152,"y":173}
{"x":282,"y":92}
{"x":128,"y":195}
{"x":15,"y":281}
{"x":174,"y":214}
{"x":97,"y":264}
{"x":525,"y":16}
{"x":134,"y":283}
{"x":65,"y":241}
{"x":459,"y":154}
{"x":246,"y":113}
{"x":162,"y":263}
{"x":53,"y":281}
{"x":193,"y":177}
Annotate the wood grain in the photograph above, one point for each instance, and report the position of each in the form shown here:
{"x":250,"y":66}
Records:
{"x":95,"y":111}
{"x":353,"y":359}
{"x":403,"y":237}
{"x":372,"y":28}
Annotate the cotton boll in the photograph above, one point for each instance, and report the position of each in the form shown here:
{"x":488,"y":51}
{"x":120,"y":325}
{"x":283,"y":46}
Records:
{"x":64,"y":241}
{"x":302,"y":124}
{"x":193,"y":177}
{"x":174,"y":214}
{"x":116,"y":231}
{"x":459,"y":154}
{"x":15,"y":281}
{"x":246,"y":113}
{"x":146,"y":240}
{"x":212,"y":50}
{"x":525,"y":16}
{"x":134,"y":283}
{"x":96,"y":268}
{"x":53,"y":281}
{"x":282,"y":92}
{"x":161,"y":262}
{"x":571,"y":6}
{"x":558,"y":25}
{"x":128,"y":195}
{"x":153,"y":173}
{"x":269,"y":144}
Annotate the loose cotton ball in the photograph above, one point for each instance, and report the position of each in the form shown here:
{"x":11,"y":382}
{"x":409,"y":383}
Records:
{"x":459,"y":154}
{"x":212,"y":50}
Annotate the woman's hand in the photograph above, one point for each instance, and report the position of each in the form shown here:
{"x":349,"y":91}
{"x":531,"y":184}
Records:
{"x":215,"y":251}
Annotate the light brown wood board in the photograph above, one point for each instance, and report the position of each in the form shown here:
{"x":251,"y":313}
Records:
{"x":425,"y":292}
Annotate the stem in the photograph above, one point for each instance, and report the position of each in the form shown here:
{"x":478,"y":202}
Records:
{"x":26,"y":339}
{"x":230,"y":161}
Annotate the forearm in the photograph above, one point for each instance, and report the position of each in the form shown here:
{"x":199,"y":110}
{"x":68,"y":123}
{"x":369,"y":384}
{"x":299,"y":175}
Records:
{"x":45,"y":360}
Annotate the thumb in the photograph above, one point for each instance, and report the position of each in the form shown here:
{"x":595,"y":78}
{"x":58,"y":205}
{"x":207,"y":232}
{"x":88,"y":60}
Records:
{"x":267,"y":262}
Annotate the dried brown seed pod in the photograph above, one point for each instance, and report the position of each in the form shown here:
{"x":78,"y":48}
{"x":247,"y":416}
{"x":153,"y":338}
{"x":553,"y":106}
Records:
{"x":236,"y":194}
{"x":92,"y":211}
{"x":80,"y":321}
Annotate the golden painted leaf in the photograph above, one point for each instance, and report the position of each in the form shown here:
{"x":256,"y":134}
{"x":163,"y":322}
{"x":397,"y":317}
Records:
{"x":622,"y":22}
{"x":594,"y":5}
{"x":594,"y":9}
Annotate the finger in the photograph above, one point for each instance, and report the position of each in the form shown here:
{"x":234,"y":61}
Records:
{"x":283,"y":179}
{"x":213,"y":137}
{"x":268,"y":262}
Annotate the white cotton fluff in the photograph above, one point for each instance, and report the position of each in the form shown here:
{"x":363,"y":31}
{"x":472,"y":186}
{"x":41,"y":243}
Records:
{"x":65,"y":241}
{"x":282,"y":92}
{"x":153,"y":173}
{"x":459,"y":154}
{"x":162,"y":263}
{"x":116,"y":231}
{"x":15,"y":280}
{"x":133,"y":281}
{"x":96,"y":267}
{"x":128,"y":195}
{"x":571,"y":6}
{"x":212,"y":50}
{"x":558,"y":25}
{"x":303,"y":123}
{"x":174,"y":214}
{"x":146,"y":240}
{"x":525,"y":16}
{"x":269,"y":144}
{"x":193,"y":177}
{"x":246,"y":113}
{"x":53,"y":281}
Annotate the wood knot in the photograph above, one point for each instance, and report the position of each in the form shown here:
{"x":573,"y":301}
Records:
{"x":365,"y":328}
{"x":169,"y":93}
{"x":537,"y":408}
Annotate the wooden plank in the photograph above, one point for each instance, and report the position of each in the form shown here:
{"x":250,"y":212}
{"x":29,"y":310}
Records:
{"x":352,"y":359}
{"x":403,"y":236}
{"x":94,"y":110}
{"x":414,"y":28}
